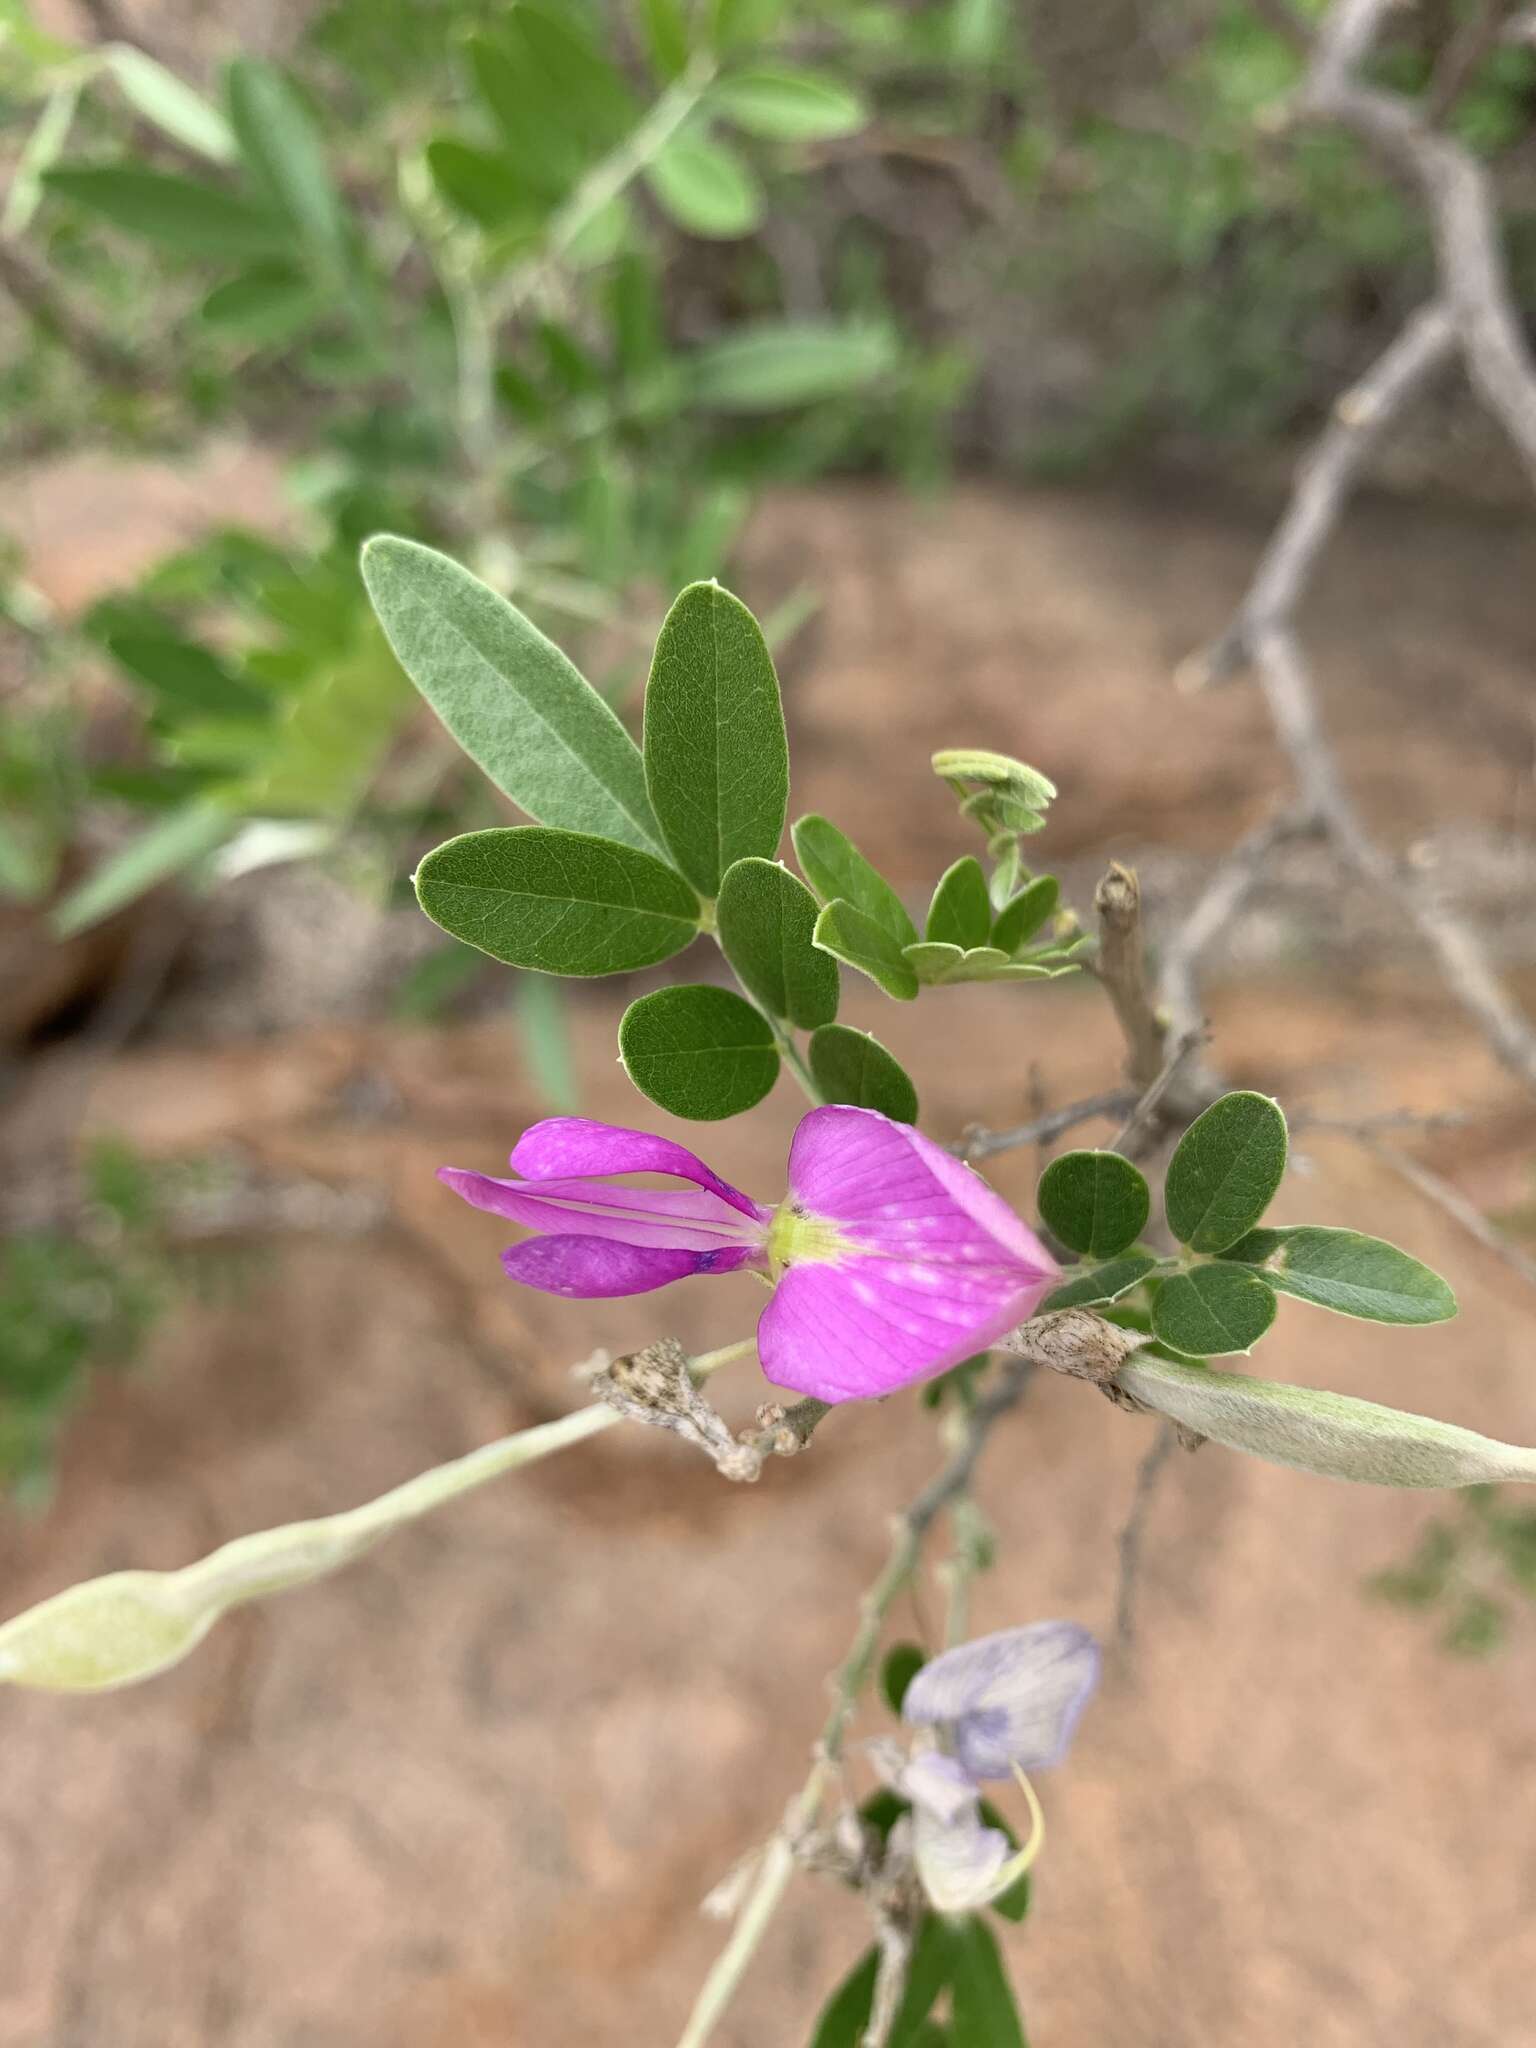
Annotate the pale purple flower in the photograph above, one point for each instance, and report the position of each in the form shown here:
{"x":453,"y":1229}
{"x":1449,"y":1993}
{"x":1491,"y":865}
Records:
{"x":1007,"y":1704}
{"x":890,"y":1261}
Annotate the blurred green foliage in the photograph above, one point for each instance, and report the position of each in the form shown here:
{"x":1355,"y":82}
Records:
{"x":73,"y":1302}
{"x":1469,"y":1570}
{"x":563,"y":286}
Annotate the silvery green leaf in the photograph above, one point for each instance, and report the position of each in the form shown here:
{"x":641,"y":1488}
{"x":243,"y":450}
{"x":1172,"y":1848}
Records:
{"x":850,"y":935}
{"x":1333,"y":1435}
{"x":766,"y":918}
{"x":1102,"y":1283}
{"x":851,"y":1066}
{"x":1224,"y":1171}
{"x":1352,"y":1274}
{"x":559,"y":902}
{"x":836,"y":870}
{"x":960,"y":913}
{"x":1023,"y":915}
{"x":169,"y":102}
{"x":698,"y":1051}
{"x":1096,"y":1202}
{"x":518,"y":708}
{"x":1212,"y":1310}
{"x":716,"y":759}
{"x":995,"y":771}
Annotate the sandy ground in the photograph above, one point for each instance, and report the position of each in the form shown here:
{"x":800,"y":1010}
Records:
{"x":471,"y":1791}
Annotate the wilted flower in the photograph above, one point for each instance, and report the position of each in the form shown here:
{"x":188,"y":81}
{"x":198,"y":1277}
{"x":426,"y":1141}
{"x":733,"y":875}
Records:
{"x":889,"y":1260}
{"x":1007,"y":1704}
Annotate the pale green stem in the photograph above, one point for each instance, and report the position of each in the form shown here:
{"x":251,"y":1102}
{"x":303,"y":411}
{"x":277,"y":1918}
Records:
{"x":129,"y":1625}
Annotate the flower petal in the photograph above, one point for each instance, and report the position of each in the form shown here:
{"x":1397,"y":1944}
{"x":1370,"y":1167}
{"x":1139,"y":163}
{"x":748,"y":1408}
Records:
{"x":678,"y":1219}
{"x":938,"y":1266}
{"x":1010,"y":1699}
{"x":905,"y":1194}
{"x":561,"y":1146}
{"x":938,"y":1784}
{"x":855,"y":1331}
{"x":959,"y":1865}
{"x":589,"y":1268}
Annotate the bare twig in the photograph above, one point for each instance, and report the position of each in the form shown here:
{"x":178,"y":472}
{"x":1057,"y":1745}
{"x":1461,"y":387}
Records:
{"x":1224,"y":895}
{"x":1434,"y":1187}
{"x":1139,"y":1133}
{"x":1477,"y":36}
{"x":1474,"y":312}
{"x":979,"y":1143}
{"x":777,"y":1863}
{"x":1122,"y":967}
{"x":1155,"y":1457}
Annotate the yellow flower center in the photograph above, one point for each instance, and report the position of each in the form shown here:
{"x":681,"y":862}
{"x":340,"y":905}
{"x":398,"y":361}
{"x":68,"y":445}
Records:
{"x":796,"y":1238}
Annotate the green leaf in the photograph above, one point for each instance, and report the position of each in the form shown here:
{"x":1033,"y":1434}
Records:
{"x":185,"y":676}
{"x":558,"y":102}
{"x":699,"y":1052}
{"x":850,"y":1066}
{"x":999,"y":772}
{"x":170,"y":103}
{"x":177,"y":841}
{"x":543,"y":1016}
{"x":706,"y":188}
{"x":835,"y":869}
{"x":766,"y":917}
{"x":283,"y":151}
{"x":560,"y":902}
{"x":780,"y":363}
{"x":790,"y":106}
{"x":1212,"y":1310}
{"x":1096,"y":1202}
{"x":664,"y":25}
{"x":938,"y":965}
{"x":899,"y":1666}
{"x":517,"y":707}
{"x":984,"y":2014}
{"x":176,"y":213}
{"x":1226,"y":1169}
{"x":265,"y":305}
{"x":850,"y":935}
{"x":482,"y":184}
{"x":716,"y":759}
{"x":845,"y":2015}
{"x":1104,"y":1283}
{"x":1352,"y":1274}
{"x":1023,"y":915}
{"x":960,"y":913}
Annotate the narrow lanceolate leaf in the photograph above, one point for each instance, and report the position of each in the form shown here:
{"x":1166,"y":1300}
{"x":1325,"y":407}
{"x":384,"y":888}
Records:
{"x":172,"y":844}
{"x":983,"y":2008}
{"x":699,"y":1052}
{"x":166,"y":100}
{"x":130,"y":1625}
{"x":850,"y":935}
{"x":174,"y":212}
{"x":1225,"y":1170}
{"x":850,"y":1066}
{"x":1096,"y":1202}
{"x":835,"y":868}
{"x":285,"y":157}
{"x":766,"y":918}
{"x":517,"y":707}
{"x":1103,"y":1283}
{"x":1212,"y":1310}
{"x":716,"y":759}
{"x":560,"y":902}
{"x":1023,"y":915}
{"x":1332,"y":1435}
{"x":960,"y":913}
{"x":1347,"y":1272}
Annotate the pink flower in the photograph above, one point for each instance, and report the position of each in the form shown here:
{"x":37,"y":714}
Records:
{"x":890,"y":1261}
